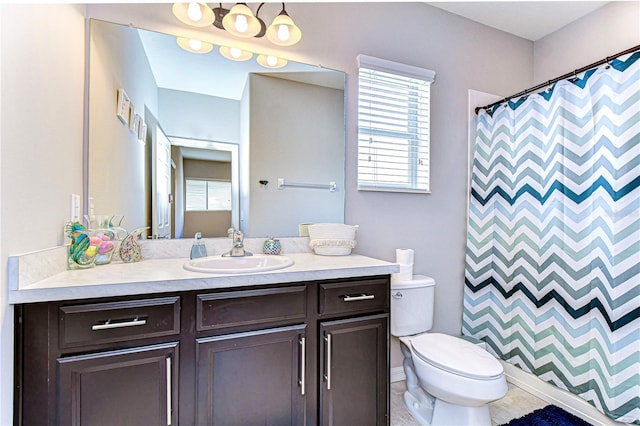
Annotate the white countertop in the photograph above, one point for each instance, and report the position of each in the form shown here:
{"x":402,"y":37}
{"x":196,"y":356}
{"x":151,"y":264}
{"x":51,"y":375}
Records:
{"x":168,"y":275}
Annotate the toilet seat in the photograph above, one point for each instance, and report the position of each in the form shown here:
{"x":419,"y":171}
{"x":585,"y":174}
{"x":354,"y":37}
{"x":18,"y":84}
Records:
{"x":456,"y":356}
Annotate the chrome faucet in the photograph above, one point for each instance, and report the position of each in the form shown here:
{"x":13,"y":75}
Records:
{"x":238,"y":245}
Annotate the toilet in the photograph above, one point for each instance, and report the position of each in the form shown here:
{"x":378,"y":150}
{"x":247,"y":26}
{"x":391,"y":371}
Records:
{"x":450,"y":380}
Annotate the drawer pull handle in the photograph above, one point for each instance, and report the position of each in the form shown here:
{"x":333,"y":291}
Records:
{"x":362,"y":296}
{"x":108,"y":325}
{"x":303,"y":361}
{"x":169,"y":391}
{"x":327,"y":375}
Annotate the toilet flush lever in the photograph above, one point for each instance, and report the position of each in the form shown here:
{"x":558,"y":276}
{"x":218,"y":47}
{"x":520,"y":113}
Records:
{"x":397,"y":295}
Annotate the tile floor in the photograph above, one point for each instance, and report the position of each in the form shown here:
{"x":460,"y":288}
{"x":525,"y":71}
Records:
{"x":516,"y":403}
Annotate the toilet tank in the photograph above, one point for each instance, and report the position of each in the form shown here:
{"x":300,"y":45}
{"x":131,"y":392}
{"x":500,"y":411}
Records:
{"x":412,"y":306}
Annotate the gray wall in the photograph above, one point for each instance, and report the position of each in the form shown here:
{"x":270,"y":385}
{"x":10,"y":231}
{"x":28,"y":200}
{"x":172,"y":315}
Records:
{"x":613,"y":28}
{"x":296,"y":133}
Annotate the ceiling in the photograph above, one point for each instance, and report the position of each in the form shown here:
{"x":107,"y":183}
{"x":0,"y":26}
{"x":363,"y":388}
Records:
{"x":531,"y":20}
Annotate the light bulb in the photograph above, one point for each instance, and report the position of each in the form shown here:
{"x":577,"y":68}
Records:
{"x":195,"y":44}
{"x":194,"y":12}
{"x":283,"y":32}
{"x":235,"y":52}
{"x":241,"y":24}
{"x":270,"y":61}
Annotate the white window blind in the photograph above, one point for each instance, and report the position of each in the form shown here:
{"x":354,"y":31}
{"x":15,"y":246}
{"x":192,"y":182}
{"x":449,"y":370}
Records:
{"x":393,"y":126}
{"x":203,"y":195}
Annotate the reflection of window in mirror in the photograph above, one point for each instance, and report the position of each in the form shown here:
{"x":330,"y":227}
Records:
{"x":207,"y":195}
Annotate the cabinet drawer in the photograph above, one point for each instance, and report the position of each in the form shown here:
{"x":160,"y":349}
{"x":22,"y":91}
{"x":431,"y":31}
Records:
{"x":354,"y":296}
{"x":248,"y":307}
{"x":98,"y":323}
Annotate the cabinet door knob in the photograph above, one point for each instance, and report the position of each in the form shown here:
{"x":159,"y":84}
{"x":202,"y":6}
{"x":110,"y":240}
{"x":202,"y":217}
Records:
{"x":397,"y":295}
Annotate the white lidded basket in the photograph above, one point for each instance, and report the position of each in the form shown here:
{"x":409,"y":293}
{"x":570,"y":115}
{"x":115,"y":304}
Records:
{"x":332,"y":239}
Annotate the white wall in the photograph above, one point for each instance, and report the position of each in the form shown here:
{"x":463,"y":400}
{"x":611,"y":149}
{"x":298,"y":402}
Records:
{"x":195,"y":116}
{"x":117,"y":182}
{"x":42,"y":89}
{"x":605,"y":32}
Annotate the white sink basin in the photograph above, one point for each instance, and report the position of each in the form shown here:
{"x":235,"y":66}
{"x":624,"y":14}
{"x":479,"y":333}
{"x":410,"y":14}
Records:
{"x":238,"y":265}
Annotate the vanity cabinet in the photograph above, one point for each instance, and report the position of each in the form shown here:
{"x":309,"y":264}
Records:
{"x":354,"y":371}
{"x":136,"y":386}
{"x":101,"y":363}
{"x":353,"y":351}
{"x":313,"y":352}
{"x":250,"y":356}
{"x":251,"y":378}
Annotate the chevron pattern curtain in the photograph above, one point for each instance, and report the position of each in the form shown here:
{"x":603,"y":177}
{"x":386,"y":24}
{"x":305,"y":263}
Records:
{"x":553,"y":251}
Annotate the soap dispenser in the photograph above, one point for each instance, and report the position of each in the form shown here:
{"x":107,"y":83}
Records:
{"x":198,"y":249}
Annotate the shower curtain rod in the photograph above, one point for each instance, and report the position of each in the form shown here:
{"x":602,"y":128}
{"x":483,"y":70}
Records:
{"x":562,"y":77}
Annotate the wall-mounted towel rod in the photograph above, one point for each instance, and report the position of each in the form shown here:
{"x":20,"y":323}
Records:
{"x":282,"y":184}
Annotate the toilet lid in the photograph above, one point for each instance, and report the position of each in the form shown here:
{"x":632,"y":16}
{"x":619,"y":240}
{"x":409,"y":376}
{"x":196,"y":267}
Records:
{"x":456,"y":355}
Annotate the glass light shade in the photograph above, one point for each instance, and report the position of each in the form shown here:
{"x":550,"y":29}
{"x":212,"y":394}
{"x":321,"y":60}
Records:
{"x":194,"y":45}
{"x":269,"y":61}
{"x":187,"y":12}
{"x":283,"y":31}
{"x":235,"y":54}
{"x":240,"y":21}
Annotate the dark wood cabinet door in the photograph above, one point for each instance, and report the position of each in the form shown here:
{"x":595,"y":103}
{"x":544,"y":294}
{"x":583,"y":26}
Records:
{"x":136,"y":386}
{"x":354,"y":371}
{"x":252,"y":378}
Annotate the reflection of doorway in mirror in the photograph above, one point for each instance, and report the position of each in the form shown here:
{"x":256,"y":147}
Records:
{"x":211,"y":164}
{"x":161,"y":186}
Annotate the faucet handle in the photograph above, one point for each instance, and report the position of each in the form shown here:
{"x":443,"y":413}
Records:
{"x":230,"y":232}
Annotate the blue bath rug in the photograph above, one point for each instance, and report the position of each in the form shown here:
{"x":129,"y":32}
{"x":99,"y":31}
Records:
{"x":548,"y":416}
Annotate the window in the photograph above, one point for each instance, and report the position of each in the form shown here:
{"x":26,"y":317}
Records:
{"x":393,"y":126}
{"x":207,"y":195}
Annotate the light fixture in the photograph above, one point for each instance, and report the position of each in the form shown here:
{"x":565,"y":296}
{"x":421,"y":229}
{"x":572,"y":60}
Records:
{"x":194,"y":45}
{"x":194,"y":14}
{"x":269,"y":61}
{"x":235,"y":54}
{"x":241,"y":22}
{"x":283,"y":31}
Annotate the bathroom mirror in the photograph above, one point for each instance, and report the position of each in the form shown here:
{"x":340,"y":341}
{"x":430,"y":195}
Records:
{"x":164,"y":123}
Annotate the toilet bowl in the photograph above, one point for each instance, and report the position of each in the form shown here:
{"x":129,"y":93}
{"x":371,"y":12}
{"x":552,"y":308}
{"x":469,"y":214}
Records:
{"x":450,"y":381}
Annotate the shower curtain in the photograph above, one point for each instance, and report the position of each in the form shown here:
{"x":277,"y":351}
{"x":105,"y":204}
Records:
{"x":552,"y":280}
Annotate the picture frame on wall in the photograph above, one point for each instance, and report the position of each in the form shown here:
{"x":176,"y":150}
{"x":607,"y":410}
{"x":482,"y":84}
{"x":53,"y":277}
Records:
{"x":132,"y":117}
{"x":123,"y":104}
{"x":142,"y":132}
